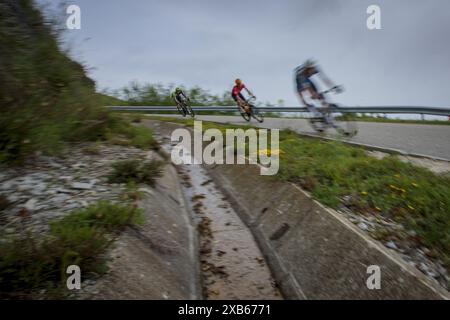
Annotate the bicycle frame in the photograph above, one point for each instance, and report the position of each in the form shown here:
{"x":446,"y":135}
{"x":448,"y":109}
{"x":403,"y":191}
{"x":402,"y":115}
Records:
{"x":246,"y":103}
{"x":326,"y":118}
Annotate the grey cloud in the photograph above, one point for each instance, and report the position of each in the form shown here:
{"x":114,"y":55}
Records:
{"x":209,"y":43}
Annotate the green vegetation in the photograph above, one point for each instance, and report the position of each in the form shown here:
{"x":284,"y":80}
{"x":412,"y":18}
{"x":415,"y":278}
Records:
{"x":29,"y":263}
{"x":4,"y":203}
{"x":93,"y":149}
{"x":136,"y":94}
{"x":46,"y":99}
{"x":338,"y":174}
{"x":136,"y":171}
{"x":128,"y":135}
{"x":411,"y":195}
{"x":132,"y":192}
{"x":108,"y":100}
{"x":160,"y":95}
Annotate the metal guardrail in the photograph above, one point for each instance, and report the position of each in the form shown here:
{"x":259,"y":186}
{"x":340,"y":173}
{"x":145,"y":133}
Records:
{"x":395,"y":109}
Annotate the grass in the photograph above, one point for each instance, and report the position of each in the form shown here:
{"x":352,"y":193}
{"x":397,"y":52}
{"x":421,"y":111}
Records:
{"x":136,"y":171}
{"x":337,"y":174}
{"x":132,"y":192}
{"x":121,"y":132}
{"x":93,"y":149}
{"x":29,"y":263}
{"x":46,"y":98}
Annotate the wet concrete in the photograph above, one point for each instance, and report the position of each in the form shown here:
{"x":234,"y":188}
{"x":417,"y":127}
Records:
{"x":232,"y":264}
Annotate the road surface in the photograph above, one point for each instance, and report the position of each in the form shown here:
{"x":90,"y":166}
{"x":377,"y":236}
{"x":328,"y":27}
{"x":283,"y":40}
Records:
{"x":430,"y":140}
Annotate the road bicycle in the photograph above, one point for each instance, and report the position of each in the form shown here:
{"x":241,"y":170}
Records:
{"x":184,"y":107}
{"x":324,"y":119}
{"x":254,"y":112}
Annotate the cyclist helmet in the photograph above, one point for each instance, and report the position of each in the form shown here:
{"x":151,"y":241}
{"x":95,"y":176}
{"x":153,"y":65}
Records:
{"x":310,"y":63}
{"x":238,"y":82}
{"x":177,"y":90}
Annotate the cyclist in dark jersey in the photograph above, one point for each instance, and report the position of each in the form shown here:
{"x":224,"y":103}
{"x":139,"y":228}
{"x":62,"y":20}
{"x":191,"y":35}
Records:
{"x":237,"y":95}
{"x":304,"y":83}
{"x":178,"y":95}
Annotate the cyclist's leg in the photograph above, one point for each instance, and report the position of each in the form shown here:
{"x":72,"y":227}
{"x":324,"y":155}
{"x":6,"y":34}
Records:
{"x":180,"y":105}
{"x":311,"y":87}
{"x":327,"y":116}
{"x":312,"y":108}
{"x":240,"y":101}
{"x":180,"y":99}
{"x":178,"y":102}
{"x":305,"y":85}
{"x":244,"y":103}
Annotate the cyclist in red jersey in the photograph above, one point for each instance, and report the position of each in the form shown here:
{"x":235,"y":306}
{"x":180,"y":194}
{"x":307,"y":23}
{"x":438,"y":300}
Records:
{"x":237,"y":95}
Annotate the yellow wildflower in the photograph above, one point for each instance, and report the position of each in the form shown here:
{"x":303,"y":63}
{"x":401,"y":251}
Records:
{"x":269,"y":152}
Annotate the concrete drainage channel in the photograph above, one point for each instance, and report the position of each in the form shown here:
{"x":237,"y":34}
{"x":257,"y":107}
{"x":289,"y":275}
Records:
{"x":312,"y":251}
{"x":231,"y":264}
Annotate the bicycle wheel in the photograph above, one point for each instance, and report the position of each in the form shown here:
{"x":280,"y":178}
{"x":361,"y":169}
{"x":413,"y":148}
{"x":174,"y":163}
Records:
{"x":189,"y":110}
{"x":346,"y":125}
{"x":244,"y":114}
{"x":181,"y":110}
{"x":256,"y":115}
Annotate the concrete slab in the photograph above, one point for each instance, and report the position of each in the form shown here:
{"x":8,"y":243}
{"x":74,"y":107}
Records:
{"x":158,"y":260}
{"x":313,"y":252}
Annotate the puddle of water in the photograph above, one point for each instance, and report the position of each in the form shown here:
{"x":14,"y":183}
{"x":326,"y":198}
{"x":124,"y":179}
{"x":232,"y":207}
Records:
{"x":231,"y":263}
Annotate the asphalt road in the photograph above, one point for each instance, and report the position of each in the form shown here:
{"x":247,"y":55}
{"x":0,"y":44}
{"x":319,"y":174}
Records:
{"x":430,"y":140}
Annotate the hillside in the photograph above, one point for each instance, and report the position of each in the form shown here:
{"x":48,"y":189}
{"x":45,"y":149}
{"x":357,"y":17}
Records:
{"x":46,"y":98}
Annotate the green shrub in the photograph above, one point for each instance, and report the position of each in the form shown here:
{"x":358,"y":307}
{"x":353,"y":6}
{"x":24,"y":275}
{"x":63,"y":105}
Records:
{"x":29,"y":263}
{"x":136,"y":118}
{"x":132,"y":192}
{"x":136,"y":171}
{"x":410,"y":195}
{"x":46,"y":98}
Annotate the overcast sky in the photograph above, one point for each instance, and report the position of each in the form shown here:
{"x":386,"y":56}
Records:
{"x":211,"y":42}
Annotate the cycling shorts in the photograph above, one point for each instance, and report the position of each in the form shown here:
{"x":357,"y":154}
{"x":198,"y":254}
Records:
{"x":304,"y":83}
{"x":235,"y":97}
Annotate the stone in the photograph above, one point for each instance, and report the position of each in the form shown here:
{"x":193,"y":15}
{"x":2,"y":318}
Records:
{"x":38,"y":189}
{"x":71,"y":206}
{"x":62,"y":190}
{"x":82,"y":186}
{"x":363,"y":226}
{"x":30,"y":205}
{"x":7,"y":185}
{"x":391,"y":245}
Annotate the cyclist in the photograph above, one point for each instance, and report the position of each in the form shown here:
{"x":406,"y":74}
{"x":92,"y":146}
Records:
{"x":238,"y":97}
{"x":178,"y":95}
{"x":303,"y":74}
